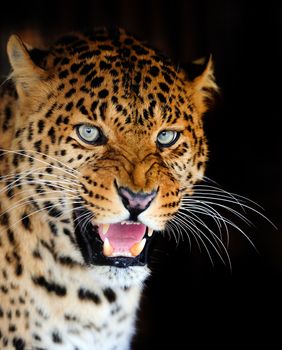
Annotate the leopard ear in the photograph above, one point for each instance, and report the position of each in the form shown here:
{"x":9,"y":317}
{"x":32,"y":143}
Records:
{"x":26,"y":74}
{"x":204,"y":86}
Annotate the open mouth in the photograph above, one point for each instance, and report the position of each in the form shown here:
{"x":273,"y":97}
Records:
{"x":120,"y":244}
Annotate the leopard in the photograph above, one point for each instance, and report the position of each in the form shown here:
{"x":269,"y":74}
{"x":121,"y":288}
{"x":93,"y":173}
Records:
{"x":101,"y":139}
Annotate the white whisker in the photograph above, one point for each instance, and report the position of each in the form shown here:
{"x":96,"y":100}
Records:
{"x":216,"y":245}
{"x":186,"y":206}
{"x":56,"y":160}
{"x":214,"y":215}
{"x":27,"y":201}
{"x":196,"y":232}
{"x":80,"y":218}
{"x":175,"y":235}
{"x":214,"y":203}
{"x":237,"y":197}
{"x":22,"y":153}
{"x":34,"y":212}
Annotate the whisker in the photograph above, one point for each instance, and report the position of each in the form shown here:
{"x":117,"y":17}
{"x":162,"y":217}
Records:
{"x":53,"y":184}
{"x":44,"y":194}
{"x":235,"y":196}
{"x":191,"y":229}
{"x":26,"y":201}
{"x":87,"y":220}
{"x":193,"y":209}
{"x":218,"y":196}
{"x":214,"y":215}
{"x":23,"y":153}
{"x":196,"y":233}
{"x":218,"y":243}
{"x":71,"y":209}
{"x":203,"y":201}
{"x":207,"y":200}
{"x":229,"y":222}
{"x":193,"y":219}
{"x":8,"y":78}
{"x":175,"y":236}
{"x":17,"y":177}
{"x":170,"y":231}
{"x":208,"y":204}
{"x":33,"y":213}
{"x":80,"y":218}
{"x":56,"y":160}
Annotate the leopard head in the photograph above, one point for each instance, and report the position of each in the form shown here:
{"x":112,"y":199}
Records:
{"x":113,"y":133}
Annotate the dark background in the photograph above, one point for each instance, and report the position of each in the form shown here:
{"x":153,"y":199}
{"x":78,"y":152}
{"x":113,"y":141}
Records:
{"x":188,"y":303}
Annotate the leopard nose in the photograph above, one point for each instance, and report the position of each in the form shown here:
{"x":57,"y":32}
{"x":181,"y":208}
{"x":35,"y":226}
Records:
{"x":135,"y":202}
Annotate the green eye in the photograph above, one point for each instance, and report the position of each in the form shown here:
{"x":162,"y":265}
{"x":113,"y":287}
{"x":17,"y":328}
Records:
{"x":90,"y":134}
{"x":167,"y":138}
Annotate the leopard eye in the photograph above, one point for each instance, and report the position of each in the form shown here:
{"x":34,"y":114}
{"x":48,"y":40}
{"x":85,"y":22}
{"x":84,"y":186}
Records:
{"x":167,"y":138}
{"x":90,"y":134}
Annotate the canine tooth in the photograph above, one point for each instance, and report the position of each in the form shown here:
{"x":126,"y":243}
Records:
{"x":150,"y":232}
{"x":137,"y":248}
{"x":107,"y":248}
{"x":105,"y":228}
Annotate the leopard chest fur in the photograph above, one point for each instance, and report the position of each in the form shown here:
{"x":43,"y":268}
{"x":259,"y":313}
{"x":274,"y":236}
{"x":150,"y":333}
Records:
{"x":89,"y":320}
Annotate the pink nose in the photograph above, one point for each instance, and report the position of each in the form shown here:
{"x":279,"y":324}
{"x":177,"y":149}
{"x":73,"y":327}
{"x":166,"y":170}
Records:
{"x":136,"y":201}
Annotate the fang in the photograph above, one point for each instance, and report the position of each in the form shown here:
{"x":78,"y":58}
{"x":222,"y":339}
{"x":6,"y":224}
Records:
{"x":137,"y":248}
{"x":107,"y":248}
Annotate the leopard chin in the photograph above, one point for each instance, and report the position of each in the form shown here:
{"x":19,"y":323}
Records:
{"x":115,"y":277}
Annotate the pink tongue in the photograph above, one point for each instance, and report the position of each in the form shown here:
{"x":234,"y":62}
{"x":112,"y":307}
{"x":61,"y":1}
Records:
{"x":123,"y":237}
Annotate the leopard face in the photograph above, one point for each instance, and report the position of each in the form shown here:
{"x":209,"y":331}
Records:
{"x":109,"y":136}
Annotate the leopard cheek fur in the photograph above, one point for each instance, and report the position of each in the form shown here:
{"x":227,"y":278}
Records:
{"x":56,"y":291}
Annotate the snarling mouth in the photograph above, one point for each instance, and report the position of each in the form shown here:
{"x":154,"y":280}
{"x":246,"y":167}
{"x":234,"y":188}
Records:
{"x":120,"y":244}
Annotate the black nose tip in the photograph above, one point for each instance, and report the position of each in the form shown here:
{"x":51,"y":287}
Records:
{"x":135,"y":202}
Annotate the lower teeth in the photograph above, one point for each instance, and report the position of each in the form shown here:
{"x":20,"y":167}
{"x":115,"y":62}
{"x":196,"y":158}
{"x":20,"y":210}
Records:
{"x":134,"y":251}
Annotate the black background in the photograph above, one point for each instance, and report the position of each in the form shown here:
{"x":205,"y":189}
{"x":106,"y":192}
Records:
{"x":188,"y":303}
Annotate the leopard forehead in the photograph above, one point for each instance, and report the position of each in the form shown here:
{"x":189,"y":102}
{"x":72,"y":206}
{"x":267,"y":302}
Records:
{"x":133,"y":68}
{"x":102,"y":73}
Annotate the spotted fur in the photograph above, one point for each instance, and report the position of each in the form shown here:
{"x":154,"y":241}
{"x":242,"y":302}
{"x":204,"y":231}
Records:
{"x":51,"y":297}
